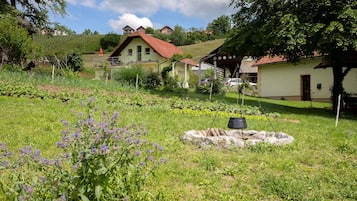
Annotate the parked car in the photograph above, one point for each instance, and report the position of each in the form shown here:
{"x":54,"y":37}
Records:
{"x":206,"y":81}
{"x":231,"y":82}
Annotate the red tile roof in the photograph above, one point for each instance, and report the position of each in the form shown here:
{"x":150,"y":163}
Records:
{"x":277,"y":59}
{"x":188,"y":61}
{"x":163,"y":48}
{"x":269,"y":60}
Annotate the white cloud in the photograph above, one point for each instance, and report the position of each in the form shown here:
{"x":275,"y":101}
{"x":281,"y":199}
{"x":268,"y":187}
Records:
{"x":201,"y":9}
{"x":88,"y":3}
{"x":197,"y":8}
{"x":143,"y":7}
{"x":204,"y":9}
{"x":131,"y":20}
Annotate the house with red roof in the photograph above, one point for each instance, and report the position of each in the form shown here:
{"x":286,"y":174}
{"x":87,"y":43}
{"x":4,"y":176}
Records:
{"x":151,"y":53}
{"x":279,"y":79}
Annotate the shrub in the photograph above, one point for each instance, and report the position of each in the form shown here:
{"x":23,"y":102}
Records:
{"x":152,"y":80}
{"x":75,"y":62}
{"x":206,"y":89}
{"x":171,"y":84}
{"x":12,"y":67}
{"x":98,"y":161}
{"x":128,"y":75}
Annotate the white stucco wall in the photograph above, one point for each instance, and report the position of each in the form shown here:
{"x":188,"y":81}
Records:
{"x":125,"y":58}
{"x":283,"y":80}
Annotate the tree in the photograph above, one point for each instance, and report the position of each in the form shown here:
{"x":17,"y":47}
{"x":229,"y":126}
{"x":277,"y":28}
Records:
{"x":295,"y":29}
{"x":87,"y":32}
{"x":178,"y":36}
{"x":15,"y":43}
{"x":149,"y":30}
{"x":110,"y":40}
{"x":36,"y":13}
{"x":220,"y":26}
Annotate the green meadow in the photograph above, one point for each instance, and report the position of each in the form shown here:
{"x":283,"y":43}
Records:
{"x":321,"y":164}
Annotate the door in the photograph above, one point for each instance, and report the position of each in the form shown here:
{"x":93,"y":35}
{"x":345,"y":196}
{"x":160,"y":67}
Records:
{"x":139,"y":53}
{"x":305,"y":88}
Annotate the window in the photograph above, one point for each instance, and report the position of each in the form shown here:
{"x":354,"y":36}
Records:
{"x":130,"y":52}
{"x":147,"y":50}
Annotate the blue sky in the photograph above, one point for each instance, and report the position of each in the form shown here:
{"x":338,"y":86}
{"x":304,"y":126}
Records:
{"x":107,"y":16}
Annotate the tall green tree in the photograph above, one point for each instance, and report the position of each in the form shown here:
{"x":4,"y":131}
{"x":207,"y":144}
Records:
{"x":299,"y":28}
{"x":178,"y":36}
{"x":220,"y":26}
{"x":15,"y":43}
{"x":34,"y":11}
{"x":110,"y":40}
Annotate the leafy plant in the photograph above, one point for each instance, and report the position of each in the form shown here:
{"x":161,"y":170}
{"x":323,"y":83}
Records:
{"x":75,"y":62}
{"x":129,"y":75}
{"x":152,"y":80}
{"x":209,"y":162}
{"x":98,"y":160}
{"x":206,"y":89}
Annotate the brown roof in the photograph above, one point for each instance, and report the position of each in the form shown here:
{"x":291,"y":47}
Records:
{"x":277,"y":59}
{"x":188,"y":61}
{"x":163,"y":48}
{"x":269,"y":60}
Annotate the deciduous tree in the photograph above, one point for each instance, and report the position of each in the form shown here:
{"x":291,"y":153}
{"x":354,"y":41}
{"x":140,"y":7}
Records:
{"x":220,"y":26}
{"x":14,"y":41}
{"x":34,"y":11}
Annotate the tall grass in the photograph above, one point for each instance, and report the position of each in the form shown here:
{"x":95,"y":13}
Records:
{"x":45,"y":78}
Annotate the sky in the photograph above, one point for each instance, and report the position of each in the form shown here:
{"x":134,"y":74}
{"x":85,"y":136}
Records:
{"x":110,"y":16}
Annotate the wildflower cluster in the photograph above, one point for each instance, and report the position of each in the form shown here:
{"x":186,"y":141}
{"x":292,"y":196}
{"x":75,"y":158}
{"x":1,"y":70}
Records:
{"x":98,"y":161}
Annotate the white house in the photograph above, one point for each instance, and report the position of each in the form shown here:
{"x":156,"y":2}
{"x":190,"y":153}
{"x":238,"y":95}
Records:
{"x":281,"y":80}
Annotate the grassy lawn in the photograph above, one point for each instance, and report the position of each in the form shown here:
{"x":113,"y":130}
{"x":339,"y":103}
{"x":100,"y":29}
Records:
{"x":320,"y":165}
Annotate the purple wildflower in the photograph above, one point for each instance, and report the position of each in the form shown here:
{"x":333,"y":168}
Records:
{"x":67,"y":155}
{"x":56,"y":162}
{"x":65,"y":123}
{"x":115,"y":116}
{"x":61,"y":145}
{"x":5,"y":164}
{"x":137,"y":152}
{"x":91,"y":99}
{"x":94,"y":150}
{"x":104,"y":149}
{"x":37,"y":155}
{"x":8,"y":154}
{"x":63,"y":198}
{"x":151,"y":158}
{"x":129,"y":140}
{"x":28,"y":189}
{"x":156,"y":145}
{"x":46,"y":161}
{"x":77,"y":134}
{"x":25,"y":151}
{"x":3,"y":146}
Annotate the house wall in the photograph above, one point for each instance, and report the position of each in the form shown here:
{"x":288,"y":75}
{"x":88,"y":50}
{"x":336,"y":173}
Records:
{"x":125,"y":58}
{"x":283,"y":80}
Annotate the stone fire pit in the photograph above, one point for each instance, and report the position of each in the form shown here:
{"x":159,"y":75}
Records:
{"x":235,"y":138}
